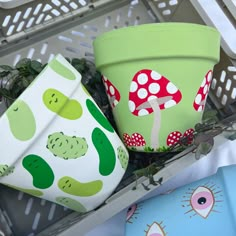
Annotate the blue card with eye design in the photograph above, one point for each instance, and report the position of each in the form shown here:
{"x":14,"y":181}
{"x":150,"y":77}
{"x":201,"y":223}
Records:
{"x":205,"y":207}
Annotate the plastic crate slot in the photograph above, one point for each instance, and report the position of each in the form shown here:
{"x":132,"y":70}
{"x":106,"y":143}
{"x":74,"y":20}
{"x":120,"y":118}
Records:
{"x":130,"y":11}
{"x":6,"y":21}
{"x":73,"y":50}
{"x":37,"y":9}
{"x":51,"y":56}
{"x":36,"y":221}
{"x":173,"y":2}
{"x":17,"y":17}
{"x":65,"y":39}
{"x":52,"y":211}
{"x":78,"y":33}
{"x":86,"y":45}
{"x":27,"y":13}
{"x":10,"y":30}
{"x":40,"y":18}
{"x":16,"y":59}
{"x":29,"y":206}
{"x":219,"y":91}
{"x":30,"y":53}
{"x":73,"y":5}
{"x":82,"y":3}
{"x":47,"y":18}
{"x":166,"y":12}
{"x":43,"y":202}
{"x":231,"y":68}
{"x":56,"y":12}
{"x":20,"y":26}
{"x":47,"y":7}
{"x":222,"y":77}
{"x":56,"y":2}
{"x":91,"y":28}
{"x":228,"y":84}
{"x":107,"y":21}
{"x":161,"y":5}
{"x":224,"y":99}
{"x":20,"y":196}
{"x":30,"y":22}
{"x":233,"y":94}
{"x":118,"y":17}
{"x":65,"y":9}
{"x":44,"y":48}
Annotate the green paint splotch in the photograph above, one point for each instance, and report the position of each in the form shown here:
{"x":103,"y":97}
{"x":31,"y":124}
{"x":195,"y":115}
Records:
{"x":71,"y":204}
{"x":6,"y":170}
{"x":62,"y":105}
{"x":74,"y":187}
{"x":21,"y":120}
{"x":65,"y":146}
{"x":106,"y":152}
{"x":98,"y":115}
{"x":62,"y":70}
{"x":40,"y":170}
{"x":123,"y":157}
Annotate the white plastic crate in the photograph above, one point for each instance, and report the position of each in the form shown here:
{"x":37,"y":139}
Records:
{"x":39,"y":30}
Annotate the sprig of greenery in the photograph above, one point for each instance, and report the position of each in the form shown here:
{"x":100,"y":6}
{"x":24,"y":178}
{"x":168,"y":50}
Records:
{"x":203,"y":142}
{"x":14,"y":80}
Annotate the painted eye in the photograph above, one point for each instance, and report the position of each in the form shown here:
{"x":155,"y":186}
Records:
{"x":202,"y":201}
{"x":132,"y":213}
{"x":155,"y":229}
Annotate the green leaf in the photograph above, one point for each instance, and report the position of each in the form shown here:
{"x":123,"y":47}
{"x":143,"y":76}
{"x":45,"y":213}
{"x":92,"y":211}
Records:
{"x":203,"y":149}
{"x":6,"y":68}
{"x":36,"y":66}
{"x":209,"y":115}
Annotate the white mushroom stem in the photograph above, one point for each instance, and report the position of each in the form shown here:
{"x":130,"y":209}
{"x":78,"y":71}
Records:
{"x":156,"y":123}
{"x":155,"y":105}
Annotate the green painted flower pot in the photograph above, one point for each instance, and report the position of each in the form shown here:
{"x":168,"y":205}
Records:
{"x":157,"y":78}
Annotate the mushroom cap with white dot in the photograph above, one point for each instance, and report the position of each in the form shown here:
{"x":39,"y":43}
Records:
{"x":133,"y":87}
{"x":142,"y":93}
{"x":171,"y":88}
{"x":155,"y":75}
{"x":142,"y":78}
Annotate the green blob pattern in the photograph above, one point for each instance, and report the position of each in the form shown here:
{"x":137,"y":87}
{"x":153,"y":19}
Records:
{"x":76,"y":188}
{"x":123,"y":157}
{"x":71,"y":204}
{"x":62,"y":70}
{"x":107,"y":157}
{"x":40,"y":170}
{"x":34,"y":192}
{"x":6,"y":170}
{"x":98,"y":115}
{"x":67,"y":147}
{"x":57,"y":102}
{"x":21,"y":120}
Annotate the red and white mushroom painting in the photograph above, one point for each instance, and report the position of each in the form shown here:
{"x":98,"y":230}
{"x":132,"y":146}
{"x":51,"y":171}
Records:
{"x":201,"y":97}
{"x":149,"y":93}
{"x":112,"y":92}
{"x":175,"y":136}
{"x":136,"y":140}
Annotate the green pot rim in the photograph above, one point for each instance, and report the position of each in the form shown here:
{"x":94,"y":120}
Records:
{"x":157,"y":40}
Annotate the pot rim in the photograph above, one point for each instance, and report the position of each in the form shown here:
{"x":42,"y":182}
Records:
{"x":157,"y":40}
